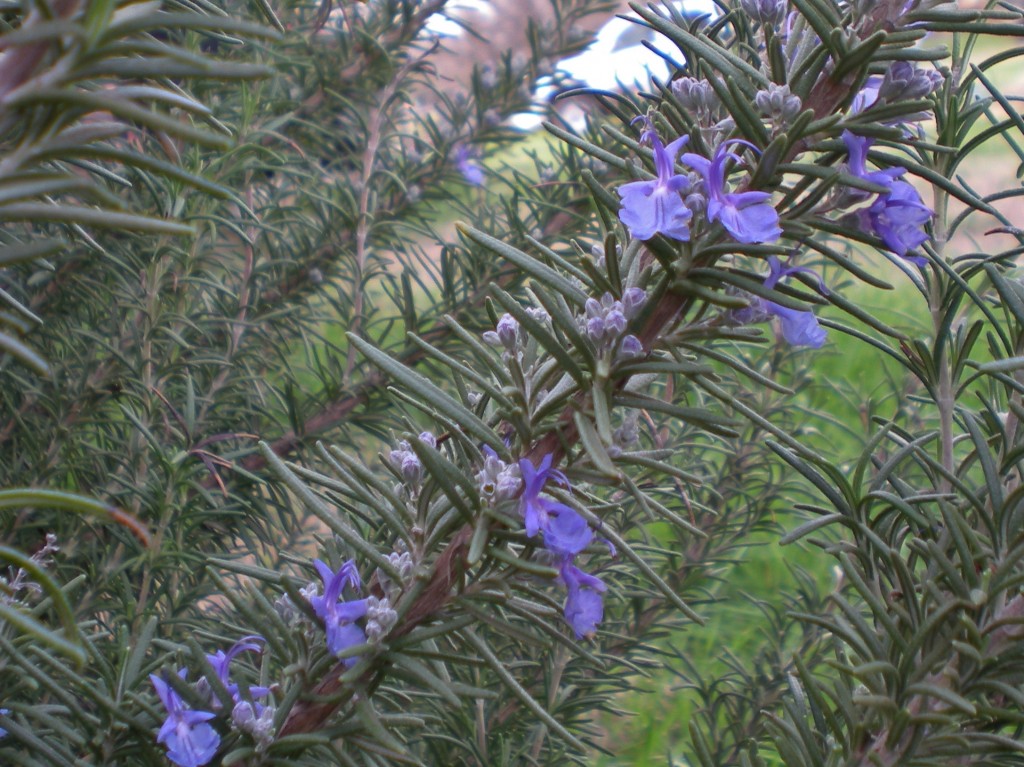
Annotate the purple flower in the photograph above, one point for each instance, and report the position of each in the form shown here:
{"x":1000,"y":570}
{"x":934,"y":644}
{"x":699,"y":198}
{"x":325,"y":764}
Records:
{"x":506,"y":333}
{"x":747,"y":216}
{"x":468,"y":167}
{"x":566,"y":533}
{"x":633,"y":300}
{"x":902,"y":82}
{"x":896,"y":216}
{"x":656,"y":207}
{"x":4,"y":712}
{"x":190,"y":741}
{"x":867,"y":95}
{"x":339,"y":617}
{"x":630,"y":348}
{"x":221,"y":662}
{"x":531,"y":505}
{"x":799,"y":328}
{"x":584,"y":608}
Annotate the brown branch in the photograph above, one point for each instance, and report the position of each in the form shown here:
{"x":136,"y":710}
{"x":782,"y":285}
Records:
{"x":19,"y":62}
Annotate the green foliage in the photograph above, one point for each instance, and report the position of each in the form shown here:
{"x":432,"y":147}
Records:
{"x":228,"y":234}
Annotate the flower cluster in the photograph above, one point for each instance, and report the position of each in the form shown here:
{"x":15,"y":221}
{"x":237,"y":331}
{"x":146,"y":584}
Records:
{"x":778,"y":104}
{"x":497,"y":481}
{"x":407,"y":464}
{"x":402,"y":562}
{"x":247,"y":715}
{"x":339,"y":618}
{"x":187,"y":734}
{"x":19,"y":587}
{"x":565,"y":534}
{"x":901,"y":82}
{"x":658,"y":207}
{"x":508,"y":336}
{"x":605,"y":321}
{"x":380,"y":619}
{"x":897,"y":215}
{"x":766,"y":12}
{"x":698,"y":98}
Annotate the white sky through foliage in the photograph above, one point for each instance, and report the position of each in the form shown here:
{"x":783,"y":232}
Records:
{"x":616,"y":59}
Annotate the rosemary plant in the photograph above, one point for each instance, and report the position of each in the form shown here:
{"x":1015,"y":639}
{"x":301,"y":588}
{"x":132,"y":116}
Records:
{"x":303,"y":470}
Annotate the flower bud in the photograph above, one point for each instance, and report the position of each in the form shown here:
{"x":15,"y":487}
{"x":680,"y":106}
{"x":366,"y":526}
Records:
{"x":538,"y":314}
{"x":769,"y":13}
{"x":615,"y":321}
{"x":380,"y":619}
{"x":633,"y":300}
{"x":778,"y":104}
{"x":505,"y":334}
{"x":696,"y":96}
{"x":628,"y":434}
{"x":630,"y":348}
{"x":256,"y":720}
{"x":904,"y":82}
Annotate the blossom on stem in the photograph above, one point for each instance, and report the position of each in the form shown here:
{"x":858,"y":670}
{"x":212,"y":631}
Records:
{"x":747,"y":216}
{"x":221,"y":662}
{"x":902,"y":82}
{"x":468,"y":167}
{"x":531,"y":505}
{"x":656,"y":207}
{"x":505,"y":334}
{"x":896,"y":216}
{"x":339,"y":617}
{"x":604,"y":321}
{"x":779,"y":104}
{"x":247,"y":715}
{"x":256,"y":720}
{"x":497,"y":481}
{"x":698,"y":98}
{"x":189,"y":740}
{"x":405,"y":461}
{"x":799,"y":328}
{"x":584,"y":607}
{"x":566,"y":533}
